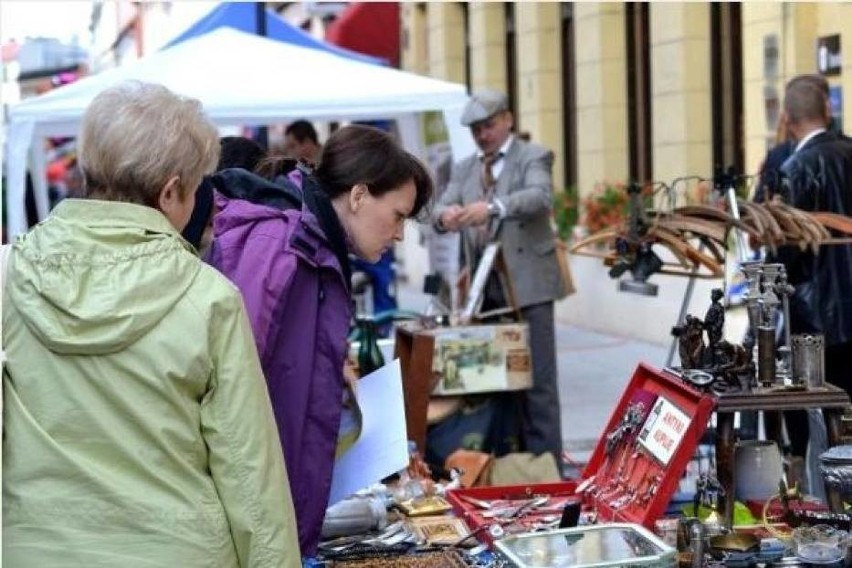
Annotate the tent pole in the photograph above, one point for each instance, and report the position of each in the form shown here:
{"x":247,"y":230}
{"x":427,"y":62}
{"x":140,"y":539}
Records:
{"x":260,"y":21}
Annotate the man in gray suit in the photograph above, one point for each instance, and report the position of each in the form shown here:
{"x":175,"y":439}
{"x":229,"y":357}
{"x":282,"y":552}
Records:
{"x":505,"y":192}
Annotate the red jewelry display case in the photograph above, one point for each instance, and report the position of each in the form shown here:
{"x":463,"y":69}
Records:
{"x":632,"y":473}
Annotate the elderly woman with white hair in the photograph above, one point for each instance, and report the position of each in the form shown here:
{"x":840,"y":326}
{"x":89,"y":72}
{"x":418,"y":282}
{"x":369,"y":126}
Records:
{"x":138,"y":428}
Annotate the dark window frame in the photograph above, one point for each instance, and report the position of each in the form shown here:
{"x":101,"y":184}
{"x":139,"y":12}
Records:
{"x":726,"y":86}
{"x":569,"y":101}
{"x":466,"y":31}
{"x":511,"y":58}
{"x":639,"y":108}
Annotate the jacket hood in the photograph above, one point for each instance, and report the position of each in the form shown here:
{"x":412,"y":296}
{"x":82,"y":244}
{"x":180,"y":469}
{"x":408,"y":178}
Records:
{"x":98,"y":275}
{"x":276,"y":197}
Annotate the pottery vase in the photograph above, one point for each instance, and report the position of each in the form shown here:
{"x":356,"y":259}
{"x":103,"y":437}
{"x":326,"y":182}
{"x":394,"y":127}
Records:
{"x":758,"y":468}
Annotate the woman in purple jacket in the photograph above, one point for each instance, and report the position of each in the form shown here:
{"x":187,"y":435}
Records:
{"x":290,"y":262}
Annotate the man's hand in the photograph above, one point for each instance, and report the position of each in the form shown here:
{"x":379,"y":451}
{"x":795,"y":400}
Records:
{"x":475,"y":214}
{"x":450,"y":217}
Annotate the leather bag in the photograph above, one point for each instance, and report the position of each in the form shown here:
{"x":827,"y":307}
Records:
{"x":561,"y":251}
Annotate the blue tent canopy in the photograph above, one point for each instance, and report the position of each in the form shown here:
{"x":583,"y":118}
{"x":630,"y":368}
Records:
{"x":243,"y":16}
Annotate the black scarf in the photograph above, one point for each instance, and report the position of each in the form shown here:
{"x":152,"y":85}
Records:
{"x":318,"y":203}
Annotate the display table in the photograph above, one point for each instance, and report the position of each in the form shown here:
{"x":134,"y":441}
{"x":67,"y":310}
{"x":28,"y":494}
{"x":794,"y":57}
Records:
{"x":831,"y":399}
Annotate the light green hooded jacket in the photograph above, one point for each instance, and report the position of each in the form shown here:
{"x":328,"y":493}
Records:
{"x":138,"y":428}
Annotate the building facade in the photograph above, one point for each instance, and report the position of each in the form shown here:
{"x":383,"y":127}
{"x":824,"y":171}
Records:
{"x":635,"y":91}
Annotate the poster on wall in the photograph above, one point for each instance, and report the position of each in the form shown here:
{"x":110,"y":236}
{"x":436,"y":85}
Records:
{"x":829,"y":61}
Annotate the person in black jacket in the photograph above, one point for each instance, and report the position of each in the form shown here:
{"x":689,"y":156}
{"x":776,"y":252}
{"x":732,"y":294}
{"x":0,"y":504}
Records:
{"x":818,"y":177}
{"x":769,"y":180}
{"x":769,"y":185}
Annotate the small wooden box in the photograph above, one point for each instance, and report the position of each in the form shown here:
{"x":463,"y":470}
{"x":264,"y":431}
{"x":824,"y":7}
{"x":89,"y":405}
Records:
{"x":416,"y":348}
{"x":638,"y":464}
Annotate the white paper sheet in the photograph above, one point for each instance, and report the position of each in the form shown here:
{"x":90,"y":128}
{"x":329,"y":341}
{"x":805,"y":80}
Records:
{"x":382,"y":448}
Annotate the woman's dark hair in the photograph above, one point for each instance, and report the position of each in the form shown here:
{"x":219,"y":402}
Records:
{"x":239,"y":152}
{"x":273,"y":166}
{"x":362,"y":154}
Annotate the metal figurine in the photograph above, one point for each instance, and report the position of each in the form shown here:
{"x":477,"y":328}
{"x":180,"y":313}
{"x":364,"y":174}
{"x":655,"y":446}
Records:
{"x":708,"y":491}
{"x":690,"y":342}
{"x":725,"y":365}
{"x":714,"y":323}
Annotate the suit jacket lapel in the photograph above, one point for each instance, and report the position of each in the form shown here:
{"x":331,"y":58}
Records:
{"x":473,"y":182}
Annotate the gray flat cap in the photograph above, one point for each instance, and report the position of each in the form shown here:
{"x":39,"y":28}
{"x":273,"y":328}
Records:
{"x":483,"y":104}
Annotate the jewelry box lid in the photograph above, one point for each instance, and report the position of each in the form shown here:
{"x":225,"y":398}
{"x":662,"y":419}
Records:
{"x":669,"y":417}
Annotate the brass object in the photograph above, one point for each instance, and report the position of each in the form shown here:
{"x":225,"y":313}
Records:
{"x":734,"y":542}
{"x":431,"y":505}
{"x":443,"y":530}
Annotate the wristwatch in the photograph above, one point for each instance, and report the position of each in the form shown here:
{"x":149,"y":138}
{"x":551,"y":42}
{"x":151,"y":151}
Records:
{"x":493,"y":209}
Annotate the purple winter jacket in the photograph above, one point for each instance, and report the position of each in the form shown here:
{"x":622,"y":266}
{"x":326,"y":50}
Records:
{"x":299,"y":307}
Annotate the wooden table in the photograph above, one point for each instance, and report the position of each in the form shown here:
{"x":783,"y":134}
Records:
{"x":414,"y":346}
{"x":831,"y":399}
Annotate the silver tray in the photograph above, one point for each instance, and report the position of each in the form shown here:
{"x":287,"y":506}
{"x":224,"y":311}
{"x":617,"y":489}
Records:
{"x":837,"y":455}
{"x":596,"y":546}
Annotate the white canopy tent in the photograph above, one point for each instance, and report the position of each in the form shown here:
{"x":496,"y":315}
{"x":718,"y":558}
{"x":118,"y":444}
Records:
{"x":240,"y":79}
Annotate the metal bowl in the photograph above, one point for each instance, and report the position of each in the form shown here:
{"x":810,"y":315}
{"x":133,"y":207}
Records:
{"x":734,"y":542}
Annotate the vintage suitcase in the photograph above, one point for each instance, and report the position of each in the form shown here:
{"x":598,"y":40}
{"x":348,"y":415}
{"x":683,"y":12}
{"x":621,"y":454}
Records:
{"x":631,"y":476}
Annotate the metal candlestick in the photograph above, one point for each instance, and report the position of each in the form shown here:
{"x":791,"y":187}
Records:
{"x":785,"y":290}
